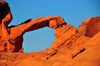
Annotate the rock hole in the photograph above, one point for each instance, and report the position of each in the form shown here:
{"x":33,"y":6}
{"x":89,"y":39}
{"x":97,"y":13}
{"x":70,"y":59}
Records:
{"x":47,"y":58}
{"x":38,"y":40}
{"x":5,"y":44}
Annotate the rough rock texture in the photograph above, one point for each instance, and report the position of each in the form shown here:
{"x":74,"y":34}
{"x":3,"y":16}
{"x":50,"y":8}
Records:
{"x":11,"y":38}
{"x":73,"y":47}
{"x":93,"y":27}
{"x":90,"y":27}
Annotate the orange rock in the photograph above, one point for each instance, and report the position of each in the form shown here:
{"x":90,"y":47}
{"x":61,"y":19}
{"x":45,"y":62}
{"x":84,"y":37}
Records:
{"x":82,"y":28}
{"x":93,"y":27}
{"x":11,"y":38}
{"x":89,"y":27}
{"x":5,"y":19}
{"x":73,"y":47}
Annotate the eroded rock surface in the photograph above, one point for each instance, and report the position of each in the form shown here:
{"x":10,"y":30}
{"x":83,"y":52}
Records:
{"x":11,"y":38}
{"x":73,"y":47}
{"x":90,"y":27}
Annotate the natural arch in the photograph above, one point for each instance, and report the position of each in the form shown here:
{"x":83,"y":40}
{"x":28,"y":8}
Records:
{"x":11,"y":38}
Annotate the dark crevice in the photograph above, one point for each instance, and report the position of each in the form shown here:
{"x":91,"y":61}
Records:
{"x":5,"y":44}
{"x":68,"y":29}
{"x":69,"y":43}
{"x":62,"y":44}
{"x":76,"y":31}
{"x":10,"y":41}
{"x":52,"y":54}
{"x":4,"y":11}
{"x":79,"y":52}
{"x":47,"y":58}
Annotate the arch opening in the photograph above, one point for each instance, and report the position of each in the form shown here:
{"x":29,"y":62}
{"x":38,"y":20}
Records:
{"x":38,"y":40}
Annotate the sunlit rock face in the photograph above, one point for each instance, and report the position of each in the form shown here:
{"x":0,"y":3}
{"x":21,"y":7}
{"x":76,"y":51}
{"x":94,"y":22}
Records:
{"x":73,"y":47}
{"x":12,"y":37}
{"x":90,"y":27}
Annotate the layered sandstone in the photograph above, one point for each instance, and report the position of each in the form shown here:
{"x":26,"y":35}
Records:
{"x":73,"y":47}
{"x":11,"y":38}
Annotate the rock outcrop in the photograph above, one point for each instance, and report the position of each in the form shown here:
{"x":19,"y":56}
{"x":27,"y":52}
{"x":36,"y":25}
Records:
{"x":89,"y":27}
{"x":11,"y":38}
{"x":73,"y":47}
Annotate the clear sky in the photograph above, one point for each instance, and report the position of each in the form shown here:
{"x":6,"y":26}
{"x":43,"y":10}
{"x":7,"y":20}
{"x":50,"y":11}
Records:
{"x":73,"y":11}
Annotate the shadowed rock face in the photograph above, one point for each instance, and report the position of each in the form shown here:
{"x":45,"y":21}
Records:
{"x":93,"y":27}
{"x":90,"y":27}
{"x":73,"y":47}
{"x":5,"y":19}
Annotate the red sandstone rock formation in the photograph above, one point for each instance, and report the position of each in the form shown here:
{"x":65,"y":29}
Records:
{"x":89,"y":27}
{"x":11,"y":38}
{"x":73,"y":47}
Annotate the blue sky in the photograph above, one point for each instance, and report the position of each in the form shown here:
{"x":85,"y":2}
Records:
{"x":73,"y":11}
